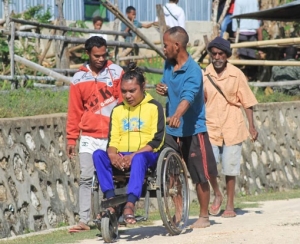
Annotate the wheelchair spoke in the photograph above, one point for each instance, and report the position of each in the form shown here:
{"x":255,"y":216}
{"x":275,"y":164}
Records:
{"x":173,"y":195}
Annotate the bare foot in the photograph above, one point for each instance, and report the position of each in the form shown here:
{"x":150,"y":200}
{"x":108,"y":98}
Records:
{"x":215,"y":208}
{"x":202,"y":222}
{"x":228,"y":214}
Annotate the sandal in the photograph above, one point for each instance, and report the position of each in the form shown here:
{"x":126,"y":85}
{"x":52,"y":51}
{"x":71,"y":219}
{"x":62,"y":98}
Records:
{"x":128,"y":217}
{"x":79,"y":227}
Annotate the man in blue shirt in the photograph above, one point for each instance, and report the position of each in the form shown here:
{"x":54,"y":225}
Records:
{"x":185,"y":108}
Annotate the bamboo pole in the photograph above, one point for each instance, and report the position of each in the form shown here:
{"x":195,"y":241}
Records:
{"x":49,"y":72}
{"x":27,"y":77}
{"x":115,"y":28}
{"x":275,"y":83}
{"x":136,"y":57}
{"x":286,"y":41}
{"x":65,"y":28}
{"x":119,"y":15}
{"x":75,"y":48}
{"x":74,"y":39}
{"x":11,"y":49}
{"x":48,"y":45}
{"x":260,"y":62}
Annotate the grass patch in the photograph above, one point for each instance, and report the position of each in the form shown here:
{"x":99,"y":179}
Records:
{"x":274,"y":97}
{"x":155,"y":62}
{"x":29,"y":102}
{"x":241,"y":202}
{"x":57,"y":236}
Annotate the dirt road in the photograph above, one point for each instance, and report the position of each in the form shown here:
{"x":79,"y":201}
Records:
{"x":274,"y":222}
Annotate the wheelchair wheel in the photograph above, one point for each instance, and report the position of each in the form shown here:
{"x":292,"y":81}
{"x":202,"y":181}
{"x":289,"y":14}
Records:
{"x":172,"y":191}
{"x":109,"y":228}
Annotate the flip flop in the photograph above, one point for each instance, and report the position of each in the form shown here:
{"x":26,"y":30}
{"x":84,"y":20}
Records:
{"x":228,"y":214}
{"x":215,"y":210}
{"x":78,"y":228}
{"x":127,"y":217}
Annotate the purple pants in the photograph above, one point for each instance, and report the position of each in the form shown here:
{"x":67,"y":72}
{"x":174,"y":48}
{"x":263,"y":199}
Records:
{"x":139,"y":165}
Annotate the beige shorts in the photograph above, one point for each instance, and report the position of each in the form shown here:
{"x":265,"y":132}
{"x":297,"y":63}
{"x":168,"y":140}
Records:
{"x":230,"y":157}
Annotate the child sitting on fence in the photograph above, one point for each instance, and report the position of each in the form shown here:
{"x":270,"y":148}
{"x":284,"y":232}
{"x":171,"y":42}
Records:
{"x":131,"y":15}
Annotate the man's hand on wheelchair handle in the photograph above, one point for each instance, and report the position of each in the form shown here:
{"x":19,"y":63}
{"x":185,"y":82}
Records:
{"x":173,"y":122}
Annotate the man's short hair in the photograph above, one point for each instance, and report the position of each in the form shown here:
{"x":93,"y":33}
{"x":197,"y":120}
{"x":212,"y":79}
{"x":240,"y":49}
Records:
{"x":129,"y":9}
{"x":94,"y":41}
{"x":179,"y":34}
{"x":290,"y":52}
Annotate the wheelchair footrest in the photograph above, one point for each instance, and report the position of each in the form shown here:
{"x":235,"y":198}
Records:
{"x":140,"y":218}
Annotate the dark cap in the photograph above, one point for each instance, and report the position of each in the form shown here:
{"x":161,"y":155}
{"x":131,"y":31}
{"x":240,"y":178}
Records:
{"x":221,"y":44}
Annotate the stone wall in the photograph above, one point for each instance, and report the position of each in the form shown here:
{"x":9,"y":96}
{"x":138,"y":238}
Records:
{"x":273,"y":161}
{"x":39,"y":184}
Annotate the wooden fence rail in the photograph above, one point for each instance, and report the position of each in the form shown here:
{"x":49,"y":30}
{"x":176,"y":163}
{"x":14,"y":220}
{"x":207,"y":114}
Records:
{"x":65,"y":28}
{"x":74,"y":40}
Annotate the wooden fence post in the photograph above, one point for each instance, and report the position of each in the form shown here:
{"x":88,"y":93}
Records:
{"x":62,"y":55}
{"x":116,"y":28}
{"x":161,"y":22}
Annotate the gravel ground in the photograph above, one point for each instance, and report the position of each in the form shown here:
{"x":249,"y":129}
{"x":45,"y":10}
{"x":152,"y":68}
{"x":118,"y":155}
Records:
{"x":271,"y":223}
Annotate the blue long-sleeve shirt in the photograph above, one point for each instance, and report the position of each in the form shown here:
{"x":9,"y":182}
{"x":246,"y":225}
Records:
{"x":185,"y":84}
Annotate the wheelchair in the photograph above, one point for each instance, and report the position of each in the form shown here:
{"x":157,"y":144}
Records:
{"x":168,"y":183}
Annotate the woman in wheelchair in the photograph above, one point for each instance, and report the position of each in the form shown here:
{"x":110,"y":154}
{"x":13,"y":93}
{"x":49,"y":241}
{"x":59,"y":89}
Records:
{"x":137,"y":131}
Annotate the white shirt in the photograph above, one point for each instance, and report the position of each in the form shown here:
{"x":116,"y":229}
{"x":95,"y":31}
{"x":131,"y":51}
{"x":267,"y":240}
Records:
{"x":243,"y":7}
{"x":104,"y":36}
{"x":177,"y":12}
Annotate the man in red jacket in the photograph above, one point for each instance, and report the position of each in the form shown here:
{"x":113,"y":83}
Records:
{"x":94,"y":91}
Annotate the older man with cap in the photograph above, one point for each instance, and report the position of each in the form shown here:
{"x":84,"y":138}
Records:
{"x":226,"y":91}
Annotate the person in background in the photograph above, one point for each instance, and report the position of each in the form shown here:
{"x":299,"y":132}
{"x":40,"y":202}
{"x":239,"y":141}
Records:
{"x":94,"y":91}
{"x":131,"y":15}
{"x":226,"y":91}
{"x":226,"y":25}
{"x":185,"y":109}
{"x":248,"y":28}
{"x":174,"y":14}
{"x":285,"y":73}
{"x":247,"y":31}
{"x":97,"y":23}
{"x":137,"y":133}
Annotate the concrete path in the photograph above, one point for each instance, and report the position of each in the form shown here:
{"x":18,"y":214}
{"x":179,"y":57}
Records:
{"x":274,"y":222}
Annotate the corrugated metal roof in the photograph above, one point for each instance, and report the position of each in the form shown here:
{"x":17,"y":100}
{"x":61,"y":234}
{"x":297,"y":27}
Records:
{"x":146,"y":10}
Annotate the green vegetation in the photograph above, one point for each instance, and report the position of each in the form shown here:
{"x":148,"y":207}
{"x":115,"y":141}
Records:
{"x":274,"y":97}
{"x":29,"y":102}
{"x":23,"y":102}
{"x":155,"y":62}
{"x":241,"y":202}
